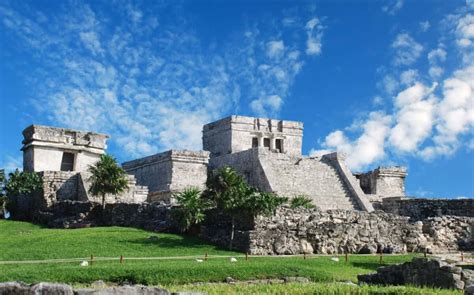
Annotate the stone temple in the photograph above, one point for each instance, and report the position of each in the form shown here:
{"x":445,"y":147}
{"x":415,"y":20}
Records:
{"x":267,"y":152}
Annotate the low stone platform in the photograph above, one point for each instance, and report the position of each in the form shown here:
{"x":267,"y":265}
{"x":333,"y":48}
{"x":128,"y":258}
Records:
{"x":423,"y":272}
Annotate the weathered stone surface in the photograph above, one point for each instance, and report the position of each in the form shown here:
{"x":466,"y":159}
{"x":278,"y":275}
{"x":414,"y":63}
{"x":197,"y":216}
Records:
{"x":19,"y":288}
{"x":59,"y":186}
{"x":44,"y":146}
{"x":123,"y":290}
{"x":418,"y":208}
{"x":51,"y":289}
{"x":296,"y":231}
{"x":73,"y":214}
{"x":170,"y":172}
{"x":320,"y":178}
{"x":418,"y":272}
{"x":14,"y":288}
{"x":384,"y":181}
{"x":239,"y":133}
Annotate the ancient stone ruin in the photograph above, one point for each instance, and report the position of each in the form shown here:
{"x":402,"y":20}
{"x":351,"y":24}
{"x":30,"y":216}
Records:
{"x":358,"y":213}
{"x":267,"y":152}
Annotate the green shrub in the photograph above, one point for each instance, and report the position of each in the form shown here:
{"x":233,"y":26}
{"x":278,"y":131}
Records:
{"x":301,"y":201}
{"x":191,"y":207}
{"x":21,"y":183}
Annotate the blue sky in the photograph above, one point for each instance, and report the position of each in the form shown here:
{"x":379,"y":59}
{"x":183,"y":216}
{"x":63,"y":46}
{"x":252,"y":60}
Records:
{"x":385,"y":82}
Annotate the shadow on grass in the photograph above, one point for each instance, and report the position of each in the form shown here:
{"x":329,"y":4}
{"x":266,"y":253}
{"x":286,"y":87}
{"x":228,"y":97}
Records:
{"x":173,"y":242}
{"x":368,"y":265}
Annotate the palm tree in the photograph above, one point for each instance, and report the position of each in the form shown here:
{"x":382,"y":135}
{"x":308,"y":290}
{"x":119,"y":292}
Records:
{"x":107,"y":177}
{"x":230,"y":193}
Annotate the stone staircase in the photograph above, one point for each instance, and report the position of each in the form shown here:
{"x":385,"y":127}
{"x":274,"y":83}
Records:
{"x":314,"y":177}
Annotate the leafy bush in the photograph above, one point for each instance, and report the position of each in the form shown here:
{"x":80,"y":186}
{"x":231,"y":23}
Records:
{"x":302,"y":201}
{"x":264,"y":203}
{"x":191,"y":207}
{"x":20,"y":183}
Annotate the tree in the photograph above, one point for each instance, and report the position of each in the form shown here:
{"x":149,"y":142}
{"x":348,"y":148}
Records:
{"x":20,"y":183}
{"x":107,"y":177}
{"x":231,"y":194}
{"x":192,"y":207}
{"x":302,"y":201}
{"x":3,"y":193}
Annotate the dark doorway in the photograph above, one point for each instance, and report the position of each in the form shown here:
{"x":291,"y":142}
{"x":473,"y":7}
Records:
{"x":254,"y":142}
{"x":266,"y":142}
{"x":67,"y":163}
{"x":279,"y":145}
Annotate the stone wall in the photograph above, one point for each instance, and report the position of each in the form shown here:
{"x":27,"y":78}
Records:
{"x":170,"y":172}
{"x":73,"y":214}
{"x":421,"y":272}
{"x":418,"y":208}
{"x":337,"y":231}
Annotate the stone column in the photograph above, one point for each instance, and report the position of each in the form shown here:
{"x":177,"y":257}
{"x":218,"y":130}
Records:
{"x":260,"y":140}
{"x":272,"y":143}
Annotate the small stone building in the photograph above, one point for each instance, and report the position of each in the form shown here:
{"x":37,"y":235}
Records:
{"x":60,"y":149}
{"x":384,"y":181}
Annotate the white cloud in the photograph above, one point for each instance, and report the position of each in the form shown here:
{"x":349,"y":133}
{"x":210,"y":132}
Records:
{"x":392,"y":6}
{"x":266,"y":105}
{"x":275,"y":49}
{"x":425,"y":26}
{"x":366,"y":149}
{"x":414,"y":118}
{"x":437,"y":55}
{"x":407,"y":50}
{"x":389,"y":84}
{"x":465,"y":30}
{"x":455,"y":114}
{"x":91,"y":42}
{"x":314,"y":31}
{"x":409,"y":77}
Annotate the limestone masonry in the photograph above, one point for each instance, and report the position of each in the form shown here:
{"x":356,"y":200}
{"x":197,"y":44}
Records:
{"x":267,"y":152}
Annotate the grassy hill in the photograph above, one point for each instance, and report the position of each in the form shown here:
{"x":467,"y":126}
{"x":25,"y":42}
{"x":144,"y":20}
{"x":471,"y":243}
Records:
{"x":20,"y":241}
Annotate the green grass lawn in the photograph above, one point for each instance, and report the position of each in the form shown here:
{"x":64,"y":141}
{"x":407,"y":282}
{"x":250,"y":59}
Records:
{"x":25,"y":241}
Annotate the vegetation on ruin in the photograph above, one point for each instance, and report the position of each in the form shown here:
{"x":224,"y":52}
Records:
{"x":301,"y":201}
{"x":3,"y":192}
{"x":192,"y":208}
{"x":107,"y":177}
{"x":25,"y":241}
{"x":231,"y":194}
{"x":18,"y":183}
{"x":23,"y":182}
